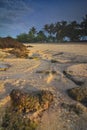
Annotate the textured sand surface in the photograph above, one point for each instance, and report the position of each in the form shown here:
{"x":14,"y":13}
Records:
{"x":44,"y":70}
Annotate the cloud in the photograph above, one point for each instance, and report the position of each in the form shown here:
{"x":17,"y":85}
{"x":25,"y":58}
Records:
{"x":14,"y":4}
{"x":12,"y":11}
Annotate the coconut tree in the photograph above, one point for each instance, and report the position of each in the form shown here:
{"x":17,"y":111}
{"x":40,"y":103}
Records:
{"x":23,"y":37}
{"x":50,"y":29}
{"x":83,"y":26}
{"x":32,"y":34}
{"x":60,"y":30}
{"x":73,"y":31}
{"x":46,"y":28}
{"x":41,"y":37}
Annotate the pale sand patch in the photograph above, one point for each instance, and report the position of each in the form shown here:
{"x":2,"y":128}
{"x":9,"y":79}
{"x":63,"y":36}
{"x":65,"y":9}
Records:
{"x":79,"y":49}
{"x":78,"y":70}
{"x":4,"y":101}
{"x":49,"y":78}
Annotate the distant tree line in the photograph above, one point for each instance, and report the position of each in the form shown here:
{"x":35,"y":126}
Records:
{"x":57,"y":32}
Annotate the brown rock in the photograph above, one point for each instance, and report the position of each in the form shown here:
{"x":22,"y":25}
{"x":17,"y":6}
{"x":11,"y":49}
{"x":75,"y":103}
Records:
{"x":79,"y":94}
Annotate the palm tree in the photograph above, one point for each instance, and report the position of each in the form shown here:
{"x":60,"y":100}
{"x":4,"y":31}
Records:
{"x":83,"y":26}
{"x":23,"y":37}
{"x":33,"y":30}
{"x":73,"y":31}
{"x":41,"y":37}
{"x":32,"y":34}
{"x":60,"y":30}
{"x":46,"y":28}
{"x":50,"y":29}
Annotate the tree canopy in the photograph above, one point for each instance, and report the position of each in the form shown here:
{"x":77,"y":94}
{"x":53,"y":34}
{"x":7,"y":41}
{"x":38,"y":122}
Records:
{"x":57,"y":32}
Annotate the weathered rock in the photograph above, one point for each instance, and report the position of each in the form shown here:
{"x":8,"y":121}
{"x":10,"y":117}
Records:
{"x":4,"y":67}
{"x":76,"y":79}
{"x":76,"y":108}
{"x":79,"y":94}
{"x":77,"y":73}
{"x":46,"y":72}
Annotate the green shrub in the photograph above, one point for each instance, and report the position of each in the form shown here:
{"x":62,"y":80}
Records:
{"x":15,"y":121}
{"x":27,"y":102}
{"x":19,"y":50}
{"x":23,"y":104}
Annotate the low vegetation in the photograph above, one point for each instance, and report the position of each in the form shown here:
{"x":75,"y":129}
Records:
{"x":9,"y":42}
{"x":25,"y":102}
{"x":16,"y":121}
{"x":18,"y":49}
{"x":25,"y":109}
{"x":21,"y":53}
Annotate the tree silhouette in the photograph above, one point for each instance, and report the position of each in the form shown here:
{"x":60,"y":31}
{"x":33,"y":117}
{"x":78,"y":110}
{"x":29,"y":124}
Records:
{"x":84,"y":27}
{"x":57,"y":32}
{"x":41,"y":37}
{"x":60,"y":30}
{"x":31,"y":34}
{"x":73,"y":31}
{"x":23,"y":37}
{"x":50,"y":29}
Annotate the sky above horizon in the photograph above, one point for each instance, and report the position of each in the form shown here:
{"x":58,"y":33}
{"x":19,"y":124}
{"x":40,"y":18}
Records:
{"x":18,"y":16}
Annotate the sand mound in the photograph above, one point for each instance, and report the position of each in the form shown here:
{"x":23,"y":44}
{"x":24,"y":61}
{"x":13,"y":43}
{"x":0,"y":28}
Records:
{"x":78,"y":70}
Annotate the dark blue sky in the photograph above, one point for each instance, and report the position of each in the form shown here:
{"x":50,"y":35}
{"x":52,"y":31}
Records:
{"x":17,"y":16}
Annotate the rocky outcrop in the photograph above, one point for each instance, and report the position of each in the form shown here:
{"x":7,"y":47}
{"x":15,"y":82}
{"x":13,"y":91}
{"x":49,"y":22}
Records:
{"x":4,"y":67}
{"x":79,"y":94}
{"x":77,"y":73}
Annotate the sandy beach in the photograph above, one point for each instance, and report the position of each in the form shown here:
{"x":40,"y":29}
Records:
{"x":44,"y":70}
